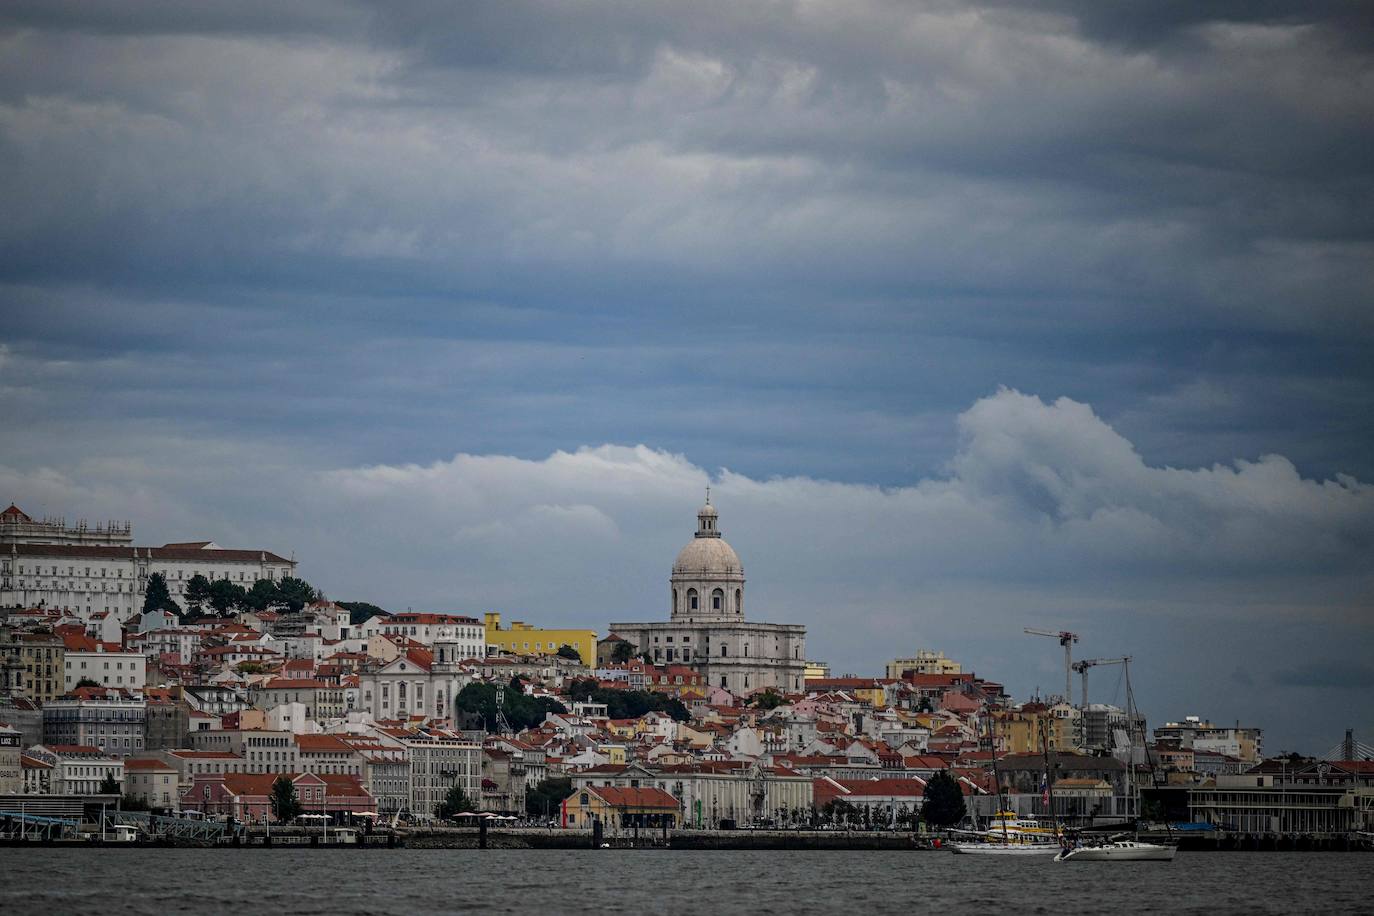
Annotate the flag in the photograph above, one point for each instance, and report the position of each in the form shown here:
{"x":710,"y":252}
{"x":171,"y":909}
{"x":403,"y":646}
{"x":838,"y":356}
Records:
{"x":1044,"y":790}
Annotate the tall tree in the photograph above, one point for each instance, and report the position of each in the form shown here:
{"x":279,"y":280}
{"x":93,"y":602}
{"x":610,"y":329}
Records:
{"x":226,"y":596}
{"x":263,"y":595}
{"x":197,"y":593}
{"x":623,"y":652}
{"x":566,"y":651}
{"x":110,"y":786}
{"x":455,"y":802}
{"x":156,"y":597}
{"x":286,"y":804}
{"x":296,"y":593}
{"x":944,"y":801}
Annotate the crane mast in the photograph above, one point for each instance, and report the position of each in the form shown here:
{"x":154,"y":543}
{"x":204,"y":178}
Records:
{"x":1066,"y":639}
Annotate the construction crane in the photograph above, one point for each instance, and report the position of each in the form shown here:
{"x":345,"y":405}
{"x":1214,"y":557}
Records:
{"x":502,"y":724}
{"x":1066,"y":639}
{"x":1083,"y":665}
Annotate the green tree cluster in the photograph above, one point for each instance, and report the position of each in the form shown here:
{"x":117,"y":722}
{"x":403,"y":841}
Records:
{"x":110,"y":786}
{"x":768,"y":699}
{"x":455,"y":802}
{"x":286,"y":804}
{"x":360,"y":612}
{"x":545,"y":798}
{"x":157,"y":597}
{"x":225,"y":597}
{"x":521,"y":711}
{"x":628,"y":704}
{"x":622,"y":653}
{"x":944,"y":801}
{"x":566,"y":651}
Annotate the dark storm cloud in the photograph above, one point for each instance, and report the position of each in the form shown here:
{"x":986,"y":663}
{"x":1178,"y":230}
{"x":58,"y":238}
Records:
{"x":804,"y":241}
{"x":1329,"y":674}
{"x":1143,"y":24}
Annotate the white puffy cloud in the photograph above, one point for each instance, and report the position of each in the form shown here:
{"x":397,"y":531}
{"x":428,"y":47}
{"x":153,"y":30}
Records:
{"x":1036,"y":490}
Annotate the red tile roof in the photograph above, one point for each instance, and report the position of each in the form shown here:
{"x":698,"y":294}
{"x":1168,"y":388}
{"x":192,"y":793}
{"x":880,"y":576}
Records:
{"x":424,"y":618}
{"x":634,"y":797}
{"x":170,"y":552}
{"x":322,"y":744}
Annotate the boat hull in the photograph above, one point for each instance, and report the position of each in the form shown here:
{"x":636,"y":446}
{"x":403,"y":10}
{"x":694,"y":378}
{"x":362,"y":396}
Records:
{"x":999,"y":849}
{"x":1134,"y":852}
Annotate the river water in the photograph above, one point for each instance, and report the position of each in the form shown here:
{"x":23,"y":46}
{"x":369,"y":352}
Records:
{"x":55,"y":882}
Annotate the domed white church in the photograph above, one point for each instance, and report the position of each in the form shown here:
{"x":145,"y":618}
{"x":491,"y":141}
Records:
{"x":706,"y":627}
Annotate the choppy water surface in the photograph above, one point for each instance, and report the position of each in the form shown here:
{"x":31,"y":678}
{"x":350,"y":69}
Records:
{"x":157,"y":881}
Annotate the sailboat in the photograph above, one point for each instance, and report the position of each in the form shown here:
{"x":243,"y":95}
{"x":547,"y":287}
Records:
{"x":1117,"y":848}
{"x":1022,"y":839}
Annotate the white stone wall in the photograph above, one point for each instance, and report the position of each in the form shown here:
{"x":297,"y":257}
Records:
{"x":128,"y":670}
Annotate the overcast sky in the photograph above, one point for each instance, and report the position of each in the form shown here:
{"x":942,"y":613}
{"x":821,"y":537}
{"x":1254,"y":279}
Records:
{"x":976,"y":315}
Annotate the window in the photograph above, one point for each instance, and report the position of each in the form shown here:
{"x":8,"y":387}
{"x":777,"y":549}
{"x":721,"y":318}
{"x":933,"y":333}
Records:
{"x":717,"y":600}
{"x":724,"y":650}
{"x":692,"y":599}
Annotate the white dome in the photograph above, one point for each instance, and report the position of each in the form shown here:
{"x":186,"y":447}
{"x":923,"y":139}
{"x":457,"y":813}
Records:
{"x":706,"y":558}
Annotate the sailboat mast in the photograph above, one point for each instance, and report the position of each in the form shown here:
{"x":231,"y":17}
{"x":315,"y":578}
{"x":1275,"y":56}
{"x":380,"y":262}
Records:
{"x":996,"y":778}
{"x":1049,"y":775}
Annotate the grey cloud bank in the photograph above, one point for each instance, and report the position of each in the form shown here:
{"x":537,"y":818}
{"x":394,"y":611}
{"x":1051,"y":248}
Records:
{"x":266,"y":269}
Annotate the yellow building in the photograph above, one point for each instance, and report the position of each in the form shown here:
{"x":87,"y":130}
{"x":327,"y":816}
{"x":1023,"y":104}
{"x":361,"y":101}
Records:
{"x":615,"y":806}
{"x":623,"y":728}
{"x":1023,"y":731}
{"x":523,"y":639}
{"x":816,"y":669}
{"x":923,"y":662}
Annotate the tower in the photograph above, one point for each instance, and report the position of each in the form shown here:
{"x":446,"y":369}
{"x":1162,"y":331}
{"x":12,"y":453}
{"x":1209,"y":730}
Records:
{"x":707,"y":582}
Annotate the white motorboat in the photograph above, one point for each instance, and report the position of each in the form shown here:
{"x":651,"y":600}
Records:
{"x":1118,"y":851}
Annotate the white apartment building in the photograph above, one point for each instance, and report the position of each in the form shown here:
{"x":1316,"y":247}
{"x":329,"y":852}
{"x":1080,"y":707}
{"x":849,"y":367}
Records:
{"x":77,"y":769}
{"x":111,"y":720}
{"x":123,"y":670}
{"x":179,"y":642}
{"x":262,"y":750}
{"x":439,"y":760}
{"x":469,"y":633}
